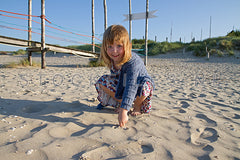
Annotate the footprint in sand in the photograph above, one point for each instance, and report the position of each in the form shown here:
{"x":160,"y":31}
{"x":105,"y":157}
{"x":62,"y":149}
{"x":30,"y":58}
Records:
{"x":184,"y":105}
{"x":204,"y":136}
{"x":182,"y":111}
{"x":202,"y":95}
{"x":193,"y":95}
{"x":59,"y":132}
{"x":209,"y":121}
{"x":236,"y":116}
{"x":64,"y":131}
{"x":118,"y":151}
{"x":208,"y":149}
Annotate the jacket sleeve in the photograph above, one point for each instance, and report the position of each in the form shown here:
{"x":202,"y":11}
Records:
{"x":130,"y":86}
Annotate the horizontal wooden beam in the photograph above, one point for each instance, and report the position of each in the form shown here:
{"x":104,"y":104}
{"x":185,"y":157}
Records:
{"x":36,"y":46}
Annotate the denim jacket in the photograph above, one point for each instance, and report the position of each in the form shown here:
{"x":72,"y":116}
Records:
{"x":132,"y":77}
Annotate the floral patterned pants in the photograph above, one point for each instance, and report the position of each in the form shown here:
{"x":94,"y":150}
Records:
{"x":110,"y":82}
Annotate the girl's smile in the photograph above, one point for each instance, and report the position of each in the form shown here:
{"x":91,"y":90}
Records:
{"x":116,"y":52}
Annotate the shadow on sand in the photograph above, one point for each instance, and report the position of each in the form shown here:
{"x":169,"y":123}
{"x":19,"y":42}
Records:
{"x":49,"y":112}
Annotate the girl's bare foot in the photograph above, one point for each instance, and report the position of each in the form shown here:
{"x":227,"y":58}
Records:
{"x":136,"y":112}
{"x":137,"y":105}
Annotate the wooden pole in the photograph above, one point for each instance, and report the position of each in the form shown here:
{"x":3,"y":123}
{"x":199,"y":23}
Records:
{"x":201,"y":35}
{"x":208,"y":53}
{"x":105,"y":15}
{"x":210,"y":29}
{"x":93,"y":28}
{"x":171,"y":34}
{"x":43,"y":48}
{"x":30,"y":31}
{"x":191,"y":37}
{"x":146,"y":34}
{"x":130,"y":21}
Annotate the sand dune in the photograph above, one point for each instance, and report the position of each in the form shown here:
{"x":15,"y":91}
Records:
{"x":51,"y":113}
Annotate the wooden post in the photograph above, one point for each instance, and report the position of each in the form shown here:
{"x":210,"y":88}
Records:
{"x":43,"y":65}
{"x":201,"y":35}
{"x":30,"y":31}
{"x":210,"y":28}
{"x":105,"y":15}
{"x":130,"y":21}
{"x":184,"y":50}
{"x":93,"y":28}
{"x":191,"y":37}
{"x":208,"y":53}
{"x":146,"y":34}
{"x":171,"y":34}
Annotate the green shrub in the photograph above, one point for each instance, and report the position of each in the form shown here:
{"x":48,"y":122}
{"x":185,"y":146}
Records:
{"x":199,"y":49}
{"x":236,"y":43}
{"x":154,"y":48}
{"x":230,"y":52}
{"x":212,"y":43}
{"x":96,"y":63}
{"x":200,"y":52}
{"x":138,"y":41}
{"x":225,"y":44}
{"x":213,"y":51}
{"x":234,"y":33}
{"x":137,"y":46}
{"x":163,"y":47}
{"x":220,"y":53}
{"x":192,"y":46}
{"x":19,"y":52}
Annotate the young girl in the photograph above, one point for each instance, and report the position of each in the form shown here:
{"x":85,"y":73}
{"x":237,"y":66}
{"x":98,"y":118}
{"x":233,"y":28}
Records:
{"x":129,"y":84}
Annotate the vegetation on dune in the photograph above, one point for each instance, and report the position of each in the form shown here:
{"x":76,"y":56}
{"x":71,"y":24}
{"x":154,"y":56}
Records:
{"x":96,"y":63}
{"x":155,"y":48}
{"x":220,"y":46}
{"x":163,"y":47}
{"x":20,"y":52}
{"x":23,"y":63}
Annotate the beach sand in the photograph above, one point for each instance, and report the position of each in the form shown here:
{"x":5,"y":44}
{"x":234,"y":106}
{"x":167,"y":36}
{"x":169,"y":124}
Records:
{"x":51,"y":113}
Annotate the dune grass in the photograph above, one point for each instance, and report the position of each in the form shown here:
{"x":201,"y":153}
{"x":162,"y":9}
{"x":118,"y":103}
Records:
{"x":96,"y":63}
{"x":22,"y":63}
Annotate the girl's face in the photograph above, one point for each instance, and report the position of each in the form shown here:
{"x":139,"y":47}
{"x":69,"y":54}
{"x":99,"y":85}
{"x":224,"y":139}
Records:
{"x":116,"y":52}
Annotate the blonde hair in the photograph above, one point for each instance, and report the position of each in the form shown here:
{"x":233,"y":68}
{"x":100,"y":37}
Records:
{"x":119,"y":34}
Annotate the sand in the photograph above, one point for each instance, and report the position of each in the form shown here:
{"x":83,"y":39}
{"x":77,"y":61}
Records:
{"x":51,"y":114}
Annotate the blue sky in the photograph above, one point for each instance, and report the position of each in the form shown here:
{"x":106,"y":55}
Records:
{"x":186,"y":17}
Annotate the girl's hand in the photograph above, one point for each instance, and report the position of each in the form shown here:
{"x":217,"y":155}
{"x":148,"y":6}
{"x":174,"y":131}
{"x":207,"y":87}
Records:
{"x":122,"y":117}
